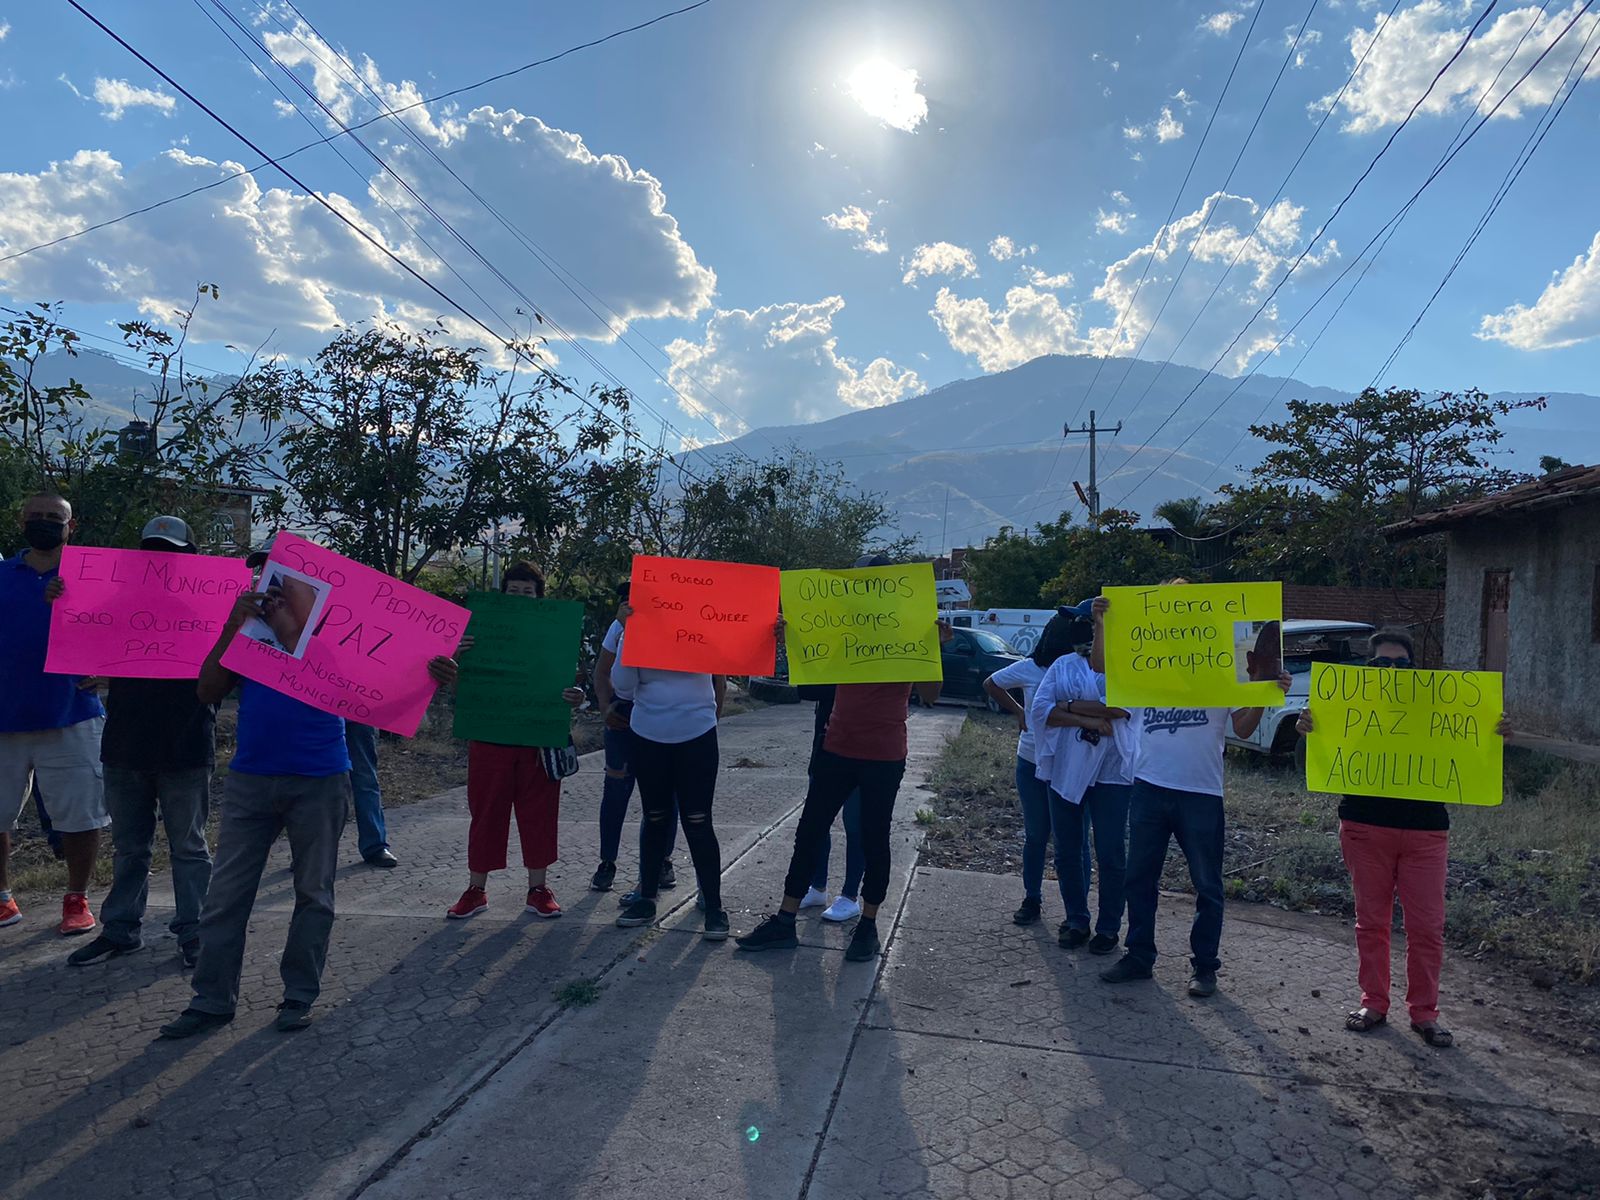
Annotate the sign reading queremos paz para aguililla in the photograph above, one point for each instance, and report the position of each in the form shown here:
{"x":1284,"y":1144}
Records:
{"x":1411,"y":734}
{"x":344,"y":638}
{"x":1194,"y":645}
{"x":139,"y":614}
{"x":865,"y":625}
{"x":692,"y":614}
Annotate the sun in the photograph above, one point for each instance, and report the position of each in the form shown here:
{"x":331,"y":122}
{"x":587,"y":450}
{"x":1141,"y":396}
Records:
{"x":889,"y":93}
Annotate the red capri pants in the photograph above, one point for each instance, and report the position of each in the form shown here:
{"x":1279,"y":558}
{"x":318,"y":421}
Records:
{"x":500,"y":780}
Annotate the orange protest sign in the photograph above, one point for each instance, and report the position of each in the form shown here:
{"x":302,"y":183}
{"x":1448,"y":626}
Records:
{"x":714,"y":618}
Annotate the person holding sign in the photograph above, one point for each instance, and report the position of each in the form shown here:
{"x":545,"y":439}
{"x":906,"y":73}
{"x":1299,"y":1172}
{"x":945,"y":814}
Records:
{"x":1177,"y":793}
{"x":1396,"y":847}
{"x":290,"y":774}
{"x":157,"y":753}
{"x":49,"y":724}
{"x":507,"y":779}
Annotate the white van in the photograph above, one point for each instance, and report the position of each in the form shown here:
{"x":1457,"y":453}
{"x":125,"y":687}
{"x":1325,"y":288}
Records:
{"x":1018,"y":626}
{"x":1304,"y":643}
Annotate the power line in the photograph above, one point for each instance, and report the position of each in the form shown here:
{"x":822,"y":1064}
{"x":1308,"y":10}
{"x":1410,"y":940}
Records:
{"x":273,"y":162}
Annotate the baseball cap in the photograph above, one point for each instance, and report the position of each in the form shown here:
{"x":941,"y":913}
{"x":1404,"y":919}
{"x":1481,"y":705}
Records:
{"x":1083,"y":610}
{"x":169,"y":529}
{"x":259,"y":555}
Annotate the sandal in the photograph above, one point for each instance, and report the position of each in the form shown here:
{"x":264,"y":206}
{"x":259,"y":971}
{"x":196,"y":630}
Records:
{"x":1364,"y":1019}
{"x":1435,"y":1035}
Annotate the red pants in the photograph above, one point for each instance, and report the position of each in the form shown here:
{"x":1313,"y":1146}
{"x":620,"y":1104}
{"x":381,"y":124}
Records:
{"x":501,"y":779}
{"x":1409,"y":863}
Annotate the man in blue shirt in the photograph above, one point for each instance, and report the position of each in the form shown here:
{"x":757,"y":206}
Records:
{"x":290,"y":774}
{"x":49,"y":724}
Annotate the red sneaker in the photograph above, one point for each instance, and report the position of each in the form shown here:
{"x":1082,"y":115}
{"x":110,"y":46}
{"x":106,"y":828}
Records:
{"x":10,"y":914}
{"x":542,"y":902}
{"x":75,"y":915}
{"x":473,"y":901}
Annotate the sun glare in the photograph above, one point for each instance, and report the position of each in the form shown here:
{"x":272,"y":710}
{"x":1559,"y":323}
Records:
{"x":889,"y":93}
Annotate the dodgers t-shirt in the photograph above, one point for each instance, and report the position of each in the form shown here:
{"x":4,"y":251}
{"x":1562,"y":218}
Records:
{"x":1181,"y":748}
{"x":279,"y":735}
{"x":1024,"y":674}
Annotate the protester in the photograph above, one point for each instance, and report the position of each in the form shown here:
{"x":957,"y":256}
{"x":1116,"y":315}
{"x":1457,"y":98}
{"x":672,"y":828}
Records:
{"x":674,"y":755}
{"x":847,"y":904}
{"x":864,"y":749}
{"x":1085,"y":750}
{"x":502,"y":780}
{"x":1033,"y":792}
{"x":1177,"y":792}
{"x":1397,"y":848}
{"x":49,"y":724}
{"x":290,"y":774}
{"x":158,"y":751}
{"x":617,"y":789}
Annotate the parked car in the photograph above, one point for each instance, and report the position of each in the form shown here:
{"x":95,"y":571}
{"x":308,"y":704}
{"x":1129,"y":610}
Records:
{"x":1304,"y":643}
{"x":1018,"y":626}
{"x":970,"y":657}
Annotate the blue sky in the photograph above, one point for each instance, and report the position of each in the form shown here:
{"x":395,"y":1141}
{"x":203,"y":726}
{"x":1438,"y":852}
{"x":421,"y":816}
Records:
{"x":800,"y":209}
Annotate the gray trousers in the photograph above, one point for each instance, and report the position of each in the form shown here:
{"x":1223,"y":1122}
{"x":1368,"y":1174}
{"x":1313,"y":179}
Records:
{"x":255,"y":809}
{"x":133,"y":799}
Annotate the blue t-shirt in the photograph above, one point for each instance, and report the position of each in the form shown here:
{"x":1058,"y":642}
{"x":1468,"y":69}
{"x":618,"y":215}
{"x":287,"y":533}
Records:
{"x":279,"y":735}
{"x":30,"y":698}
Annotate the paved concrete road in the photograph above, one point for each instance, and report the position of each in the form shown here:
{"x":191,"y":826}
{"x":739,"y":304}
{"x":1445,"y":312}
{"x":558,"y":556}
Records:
{"x":977,"y":1059}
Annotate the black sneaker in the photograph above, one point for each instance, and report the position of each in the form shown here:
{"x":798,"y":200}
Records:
{"x":774,"y":933}
{"x":863,"y":945}
{"x":99,"y":950}
{"x":1027,"y":914}
{"x":1103,"y":943}
{"x":293,"y":1016}
{"x":1125,"y":970}
{"x":629,"y":898}
{"x":189,"y":951}
{"x":192,"y":1021}
{"x":1203,"y":984}
{"x":669,"y":877}
{"x":383,"y":860}
{"x":1070,"y":937}
{"x":716,"y":926}
{"x":604,"y":877}
{"x":639,"y":912}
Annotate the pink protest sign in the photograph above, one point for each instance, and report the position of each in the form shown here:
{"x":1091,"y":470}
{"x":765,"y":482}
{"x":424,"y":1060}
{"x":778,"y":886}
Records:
{"x":345,"y":638}
{"x":136,"y":614}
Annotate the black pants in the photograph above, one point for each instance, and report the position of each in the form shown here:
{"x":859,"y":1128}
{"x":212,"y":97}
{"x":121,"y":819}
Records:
{"x":833,"y":778}
{"x":685,"y":772}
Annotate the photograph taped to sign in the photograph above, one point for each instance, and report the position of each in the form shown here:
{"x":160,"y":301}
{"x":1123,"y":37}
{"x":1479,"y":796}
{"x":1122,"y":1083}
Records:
{"x":290,"y":613}
{"x":863,"y":625}
{"x":1194,"y":645}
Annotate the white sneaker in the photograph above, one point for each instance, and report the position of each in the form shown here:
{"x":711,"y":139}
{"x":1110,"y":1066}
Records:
{"x":843,"y":909}
{"x":813,"y":899}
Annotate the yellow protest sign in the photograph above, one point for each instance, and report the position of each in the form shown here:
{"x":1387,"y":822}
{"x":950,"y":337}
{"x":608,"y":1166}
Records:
{"x":867,"y":625}
{"x":1414,"y":735}
{"x":1194,"y":645}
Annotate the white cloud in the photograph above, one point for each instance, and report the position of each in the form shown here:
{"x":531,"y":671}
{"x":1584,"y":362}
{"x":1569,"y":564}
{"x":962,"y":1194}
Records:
{"x":1220,"y":23}
{"x":1033,"y":322}
{"x":1182,"y":97}
{"x":1121,"y":198}
{"x":939,"y":258}
{"x":1134,"y":133}
{"x":1003,"y":248}
{"x":780,"y":365}
{"x":1114,"y":222}
{"x":1416,"y":44}
{"x":1567,"y":311}
{"x":5,"y":28}
{"x":1168,"y":128}
{"x":889,"y":93}
{"x":1308,"y":39}
{"x":856,"y":220}
{"x":116,"y":96}
{"x":1049,"y":283}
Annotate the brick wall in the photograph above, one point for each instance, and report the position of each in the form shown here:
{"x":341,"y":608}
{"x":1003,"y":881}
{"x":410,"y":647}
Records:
{"x":1417,"y":609}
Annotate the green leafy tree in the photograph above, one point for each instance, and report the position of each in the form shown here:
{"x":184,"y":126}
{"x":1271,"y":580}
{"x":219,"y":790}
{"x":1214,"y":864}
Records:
{"x":1012,"y":567}
{"x":1111,"y":552}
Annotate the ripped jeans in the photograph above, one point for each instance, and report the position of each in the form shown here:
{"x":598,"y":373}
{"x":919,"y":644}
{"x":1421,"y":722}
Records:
{"x":684,"y":773}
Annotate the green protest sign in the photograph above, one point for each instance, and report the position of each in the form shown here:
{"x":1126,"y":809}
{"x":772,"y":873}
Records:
{"x":524,"y":653}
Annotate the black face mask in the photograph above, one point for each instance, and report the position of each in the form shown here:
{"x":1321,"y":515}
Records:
{"x":44,"y":535}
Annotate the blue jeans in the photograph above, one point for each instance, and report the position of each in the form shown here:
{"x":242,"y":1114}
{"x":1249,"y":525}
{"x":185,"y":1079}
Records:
{"x":1105,"y":807}
{"x":1037,"y":826}
{"x":855,"y":859}
{"x":133,"y":798}
{"x":1155,"y":816}
{"x":614,"y":797}
{"x":362,"y":743}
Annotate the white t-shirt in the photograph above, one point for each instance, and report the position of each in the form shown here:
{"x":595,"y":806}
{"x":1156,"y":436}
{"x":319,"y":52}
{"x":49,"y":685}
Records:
{"x":1024,"y":674}
{"x":1062,"y":758}
{"x":1181,"y":748}
{"x":668,"y":706}
{"x":613,"y":642}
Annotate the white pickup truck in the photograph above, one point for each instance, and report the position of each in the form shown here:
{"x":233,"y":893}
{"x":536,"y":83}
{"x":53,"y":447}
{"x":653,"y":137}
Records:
{"x":1304,"y":643}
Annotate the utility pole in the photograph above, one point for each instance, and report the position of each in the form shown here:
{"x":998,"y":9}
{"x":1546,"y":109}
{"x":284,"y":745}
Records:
{"x":1092,"y":499}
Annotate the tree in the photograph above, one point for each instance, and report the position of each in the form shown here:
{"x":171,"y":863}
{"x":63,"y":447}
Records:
{"x":1549,"y":464}
{"x":1012,"y":567}
{"x":1111,"y":552}
{"x":1189,"y":516}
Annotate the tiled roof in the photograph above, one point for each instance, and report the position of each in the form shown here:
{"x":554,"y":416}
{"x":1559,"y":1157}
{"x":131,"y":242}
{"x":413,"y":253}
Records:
{"x":1561,"y":487}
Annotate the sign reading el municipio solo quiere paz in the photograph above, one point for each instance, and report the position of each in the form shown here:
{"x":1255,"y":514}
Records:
{"x":1194,"y":645}
{"x":864,"y":625}
{"x":1410,"y":734}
